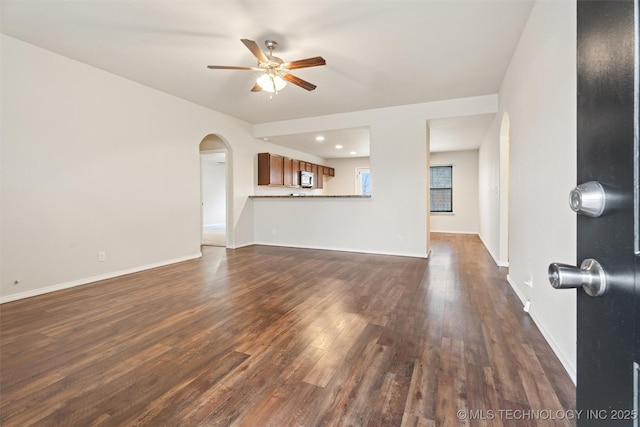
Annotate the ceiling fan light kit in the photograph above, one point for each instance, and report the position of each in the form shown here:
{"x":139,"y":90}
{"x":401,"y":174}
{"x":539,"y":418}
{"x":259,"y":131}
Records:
{"x":271,"y":83}
{"x":275,"y":72}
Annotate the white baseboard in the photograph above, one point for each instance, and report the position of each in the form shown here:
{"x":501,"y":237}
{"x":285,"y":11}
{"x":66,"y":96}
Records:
{"x":87,"y":280}
{"x":360,"y":251}
{"x":495,"y":258}
{"x":567,"y":364}
{"x":518,"y":292}
{"x":241,"y":245}
{"x":453,"y":232}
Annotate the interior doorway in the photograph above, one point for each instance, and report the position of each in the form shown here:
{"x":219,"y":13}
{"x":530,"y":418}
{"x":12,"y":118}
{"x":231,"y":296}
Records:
{"x":213,"y":184}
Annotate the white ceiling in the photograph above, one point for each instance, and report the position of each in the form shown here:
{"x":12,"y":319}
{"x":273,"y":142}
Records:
{"x":458,"y":133}
{"x":448,"y":134}
{"x":379,"y":53}
{"x":354,"y":140}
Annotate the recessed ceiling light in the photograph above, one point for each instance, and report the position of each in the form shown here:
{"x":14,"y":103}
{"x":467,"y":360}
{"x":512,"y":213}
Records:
{"x":353,"y":153}
{"x":338,"y":147}
{"x":265,"y":139}
{"x":319,"y":138}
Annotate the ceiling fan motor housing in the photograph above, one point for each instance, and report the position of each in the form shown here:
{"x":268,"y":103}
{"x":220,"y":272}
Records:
{"x":274,"y":61}
{"x":270,"y":44}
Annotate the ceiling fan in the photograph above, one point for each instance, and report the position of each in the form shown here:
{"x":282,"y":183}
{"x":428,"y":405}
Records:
{"x":275,"y":71}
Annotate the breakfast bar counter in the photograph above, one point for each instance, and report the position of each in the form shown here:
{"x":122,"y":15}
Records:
{"x":335,"y":222}
{"x":310,"y":196}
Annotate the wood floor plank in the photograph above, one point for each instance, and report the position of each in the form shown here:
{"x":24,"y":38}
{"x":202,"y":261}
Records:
{"x":283,"y":337}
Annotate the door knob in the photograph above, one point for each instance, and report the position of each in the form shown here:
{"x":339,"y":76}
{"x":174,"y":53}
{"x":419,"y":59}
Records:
{"x":588,"y":199}
{"x":590,"y":276}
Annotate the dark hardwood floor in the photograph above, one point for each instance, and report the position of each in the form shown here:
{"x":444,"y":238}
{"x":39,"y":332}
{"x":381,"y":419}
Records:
{"x":267,"y":336}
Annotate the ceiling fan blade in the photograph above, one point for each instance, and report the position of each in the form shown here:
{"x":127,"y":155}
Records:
{"x":230,"y":67}
{"x":298,"y":81}
{"x":256,"y":88}
{"x":304,"y":63}
{"x":255,"y":49}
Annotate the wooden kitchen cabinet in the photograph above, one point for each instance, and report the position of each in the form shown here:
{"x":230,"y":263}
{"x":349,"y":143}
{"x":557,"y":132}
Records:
{"x":319,"y":182}
{"x":270,"y":169}
{"x":295,"y":172}
{"x":283,"y":171}
{"x":287,"y":172}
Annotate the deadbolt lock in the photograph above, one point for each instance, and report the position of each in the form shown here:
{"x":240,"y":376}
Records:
{"x":588,"y":199}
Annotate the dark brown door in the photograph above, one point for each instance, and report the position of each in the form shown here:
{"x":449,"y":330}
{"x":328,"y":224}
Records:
{"x":608,"y":325}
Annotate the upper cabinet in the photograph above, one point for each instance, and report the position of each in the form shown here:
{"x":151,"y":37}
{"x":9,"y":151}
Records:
{"x":270,"y":169}
{"x":283,"y":171}
{"x":295,"y":167}
{"x":287,"y":171}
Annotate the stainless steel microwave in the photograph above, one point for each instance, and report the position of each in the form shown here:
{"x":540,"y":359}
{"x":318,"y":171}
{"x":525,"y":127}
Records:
{"x":306,"y":179}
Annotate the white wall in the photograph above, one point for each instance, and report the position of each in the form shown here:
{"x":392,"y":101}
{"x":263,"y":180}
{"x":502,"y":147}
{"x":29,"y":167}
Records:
{"x":539,"y":94}
{"x":345,"y":180}
{"x":94,"y":162}
{"x":465,"y":216}
{"x":489,"y":191}
{"x":397,"y":210}
{"x":392,"y":221}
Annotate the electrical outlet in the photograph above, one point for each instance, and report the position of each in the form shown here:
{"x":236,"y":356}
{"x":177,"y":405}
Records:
{"x":102,"y":256}
{"x":273,"y":231}
{"x":529,"y":282}
{"x":399,"y":237}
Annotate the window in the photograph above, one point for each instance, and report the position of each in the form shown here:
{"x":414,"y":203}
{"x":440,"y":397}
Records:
{"x":441,"y":178}
{"x":363,"y":183}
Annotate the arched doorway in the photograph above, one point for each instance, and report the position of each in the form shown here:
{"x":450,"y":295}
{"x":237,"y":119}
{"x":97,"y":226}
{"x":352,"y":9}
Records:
{"x":504,"y":189}
{"x":215,"y":191}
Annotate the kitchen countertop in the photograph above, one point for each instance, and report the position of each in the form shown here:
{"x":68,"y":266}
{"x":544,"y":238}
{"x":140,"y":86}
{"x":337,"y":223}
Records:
{"x":310,"y":196}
